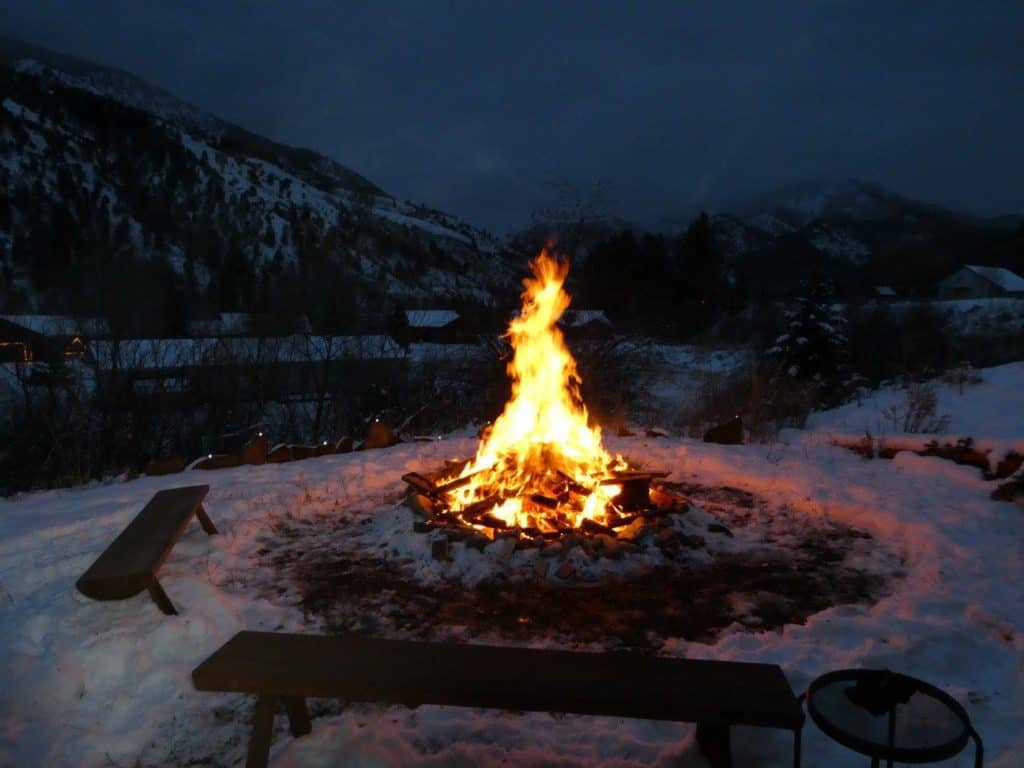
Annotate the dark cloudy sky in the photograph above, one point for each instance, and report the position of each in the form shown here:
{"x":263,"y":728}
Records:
{"x":472,"y":106}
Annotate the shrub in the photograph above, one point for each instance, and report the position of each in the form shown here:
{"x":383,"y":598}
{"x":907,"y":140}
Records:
{"x":765,"y":398}
{"x":918,"y":414}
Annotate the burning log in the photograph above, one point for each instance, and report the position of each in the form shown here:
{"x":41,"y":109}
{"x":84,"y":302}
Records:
{"x":456,"y":483}
{"x":635,"y":493}
{"x":544,"y":501}
{"x":452,"y":467}
{"x":479,"y":508}
{"x":491,"y":521}
{"x":420,"y":483}
{"x":424,"y":505}
{"x":592,"y":526}
{"x":572,"y":486}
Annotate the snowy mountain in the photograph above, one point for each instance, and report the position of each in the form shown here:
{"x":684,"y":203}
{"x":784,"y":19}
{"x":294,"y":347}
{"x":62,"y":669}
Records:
{"x":803,"y":202}
{"x":857,"y":231}
{"x":100,"y":170}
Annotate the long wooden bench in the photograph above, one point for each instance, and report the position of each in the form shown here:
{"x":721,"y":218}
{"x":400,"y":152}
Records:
{"x":713,"y":694}
{"x":130,"y":564}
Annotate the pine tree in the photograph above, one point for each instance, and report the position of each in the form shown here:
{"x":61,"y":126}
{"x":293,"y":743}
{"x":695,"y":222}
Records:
{"x":814,"y":346}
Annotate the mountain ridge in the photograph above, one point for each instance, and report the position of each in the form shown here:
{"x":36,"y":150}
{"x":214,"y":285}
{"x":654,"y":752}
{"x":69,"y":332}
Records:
{"x":96,"y":161}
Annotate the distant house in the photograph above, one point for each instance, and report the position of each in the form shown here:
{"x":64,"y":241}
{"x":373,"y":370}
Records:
{"x":31,"y":338}
{"x":585,"y":322}
{"x":883,"y":293}
{"x":437,"y":326}
{"x":974,"y":282}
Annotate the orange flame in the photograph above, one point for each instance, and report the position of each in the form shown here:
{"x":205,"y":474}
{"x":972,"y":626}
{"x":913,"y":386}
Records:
{"x":542,"y":440}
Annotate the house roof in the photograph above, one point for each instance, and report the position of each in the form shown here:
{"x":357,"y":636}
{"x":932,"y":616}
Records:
{"x":60,"y":325}
{"x":430,"y":318}
{"x":576,"y":318}
{"x":1004,"y":278}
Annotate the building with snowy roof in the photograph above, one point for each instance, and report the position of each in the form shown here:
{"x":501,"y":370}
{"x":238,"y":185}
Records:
{"x":430,"y":318}
{"x":585,"y":323}
{"x":976,"y":282}
{"x":435,"y":326}
{"x":29,"y":338}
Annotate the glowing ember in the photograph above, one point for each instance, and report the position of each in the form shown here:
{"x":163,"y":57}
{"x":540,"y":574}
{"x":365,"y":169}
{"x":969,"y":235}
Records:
{"x":541,"y":466}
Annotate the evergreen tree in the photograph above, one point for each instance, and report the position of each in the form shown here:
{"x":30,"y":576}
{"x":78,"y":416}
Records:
{"x":814,"y":346}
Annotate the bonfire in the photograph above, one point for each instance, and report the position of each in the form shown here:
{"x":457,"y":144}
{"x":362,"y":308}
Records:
{"x":541,"y":467}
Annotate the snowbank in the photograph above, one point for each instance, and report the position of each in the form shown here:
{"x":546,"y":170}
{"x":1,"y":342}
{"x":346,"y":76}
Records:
{"x":990,"y":411}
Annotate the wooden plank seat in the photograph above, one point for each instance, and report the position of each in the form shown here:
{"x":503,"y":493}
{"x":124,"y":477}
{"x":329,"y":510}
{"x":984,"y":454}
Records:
{"x":130,"y":564}
{"x":288,"y":667}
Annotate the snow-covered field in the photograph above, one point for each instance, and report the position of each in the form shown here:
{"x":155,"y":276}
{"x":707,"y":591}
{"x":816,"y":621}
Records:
{"x":108,"y":684}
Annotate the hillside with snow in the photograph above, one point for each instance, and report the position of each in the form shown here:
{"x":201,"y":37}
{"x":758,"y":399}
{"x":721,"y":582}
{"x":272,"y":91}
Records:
{"x":98,"y":167}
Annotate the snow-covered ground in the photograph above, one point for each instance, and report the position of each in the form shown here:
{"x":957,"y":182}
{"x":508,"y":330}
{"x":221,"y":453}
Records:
{"x":989,"y":409}
{"x":87,"y":683}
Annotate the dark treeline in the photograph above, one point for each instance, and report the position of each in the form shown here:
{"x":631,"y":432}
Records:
{"x":673,"y":287}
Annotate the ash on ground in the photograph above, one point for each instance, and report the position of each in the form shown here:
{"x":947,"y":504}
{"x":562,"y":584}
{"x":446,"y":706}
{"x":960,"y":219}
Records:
{"x":731,"y":560}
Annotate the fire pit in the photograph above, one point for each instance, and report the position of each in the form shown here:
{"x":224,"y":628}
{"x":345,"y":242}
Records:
{"x":544,"y":533}
{"x":541,"y":469}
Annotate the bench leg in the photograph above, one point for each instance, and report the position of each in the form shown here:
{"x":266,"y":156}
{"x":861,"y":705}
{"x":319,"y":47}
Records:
{"x":262,"y":732}
{"x":713,"y":740}
{"x":298,"y":715}
{"x":160,"y":598}
{"x":205,"y":521}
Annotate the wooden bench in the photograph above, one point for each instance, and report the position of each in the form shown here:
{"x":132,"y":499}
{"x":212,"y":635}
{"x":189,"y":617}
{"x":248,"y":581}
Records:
{"x":130,"y":564}
{"x":713,"y":694}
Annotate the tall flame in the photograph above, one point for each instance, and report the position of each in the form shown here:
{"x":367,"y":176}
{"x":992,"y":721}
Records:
{"x":542,"y":438}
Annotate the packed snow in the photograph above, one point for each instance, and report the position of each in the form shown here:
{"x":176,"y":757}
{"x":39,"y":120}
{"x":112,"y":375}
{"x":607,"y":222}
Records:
{"x":90,"y":683}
